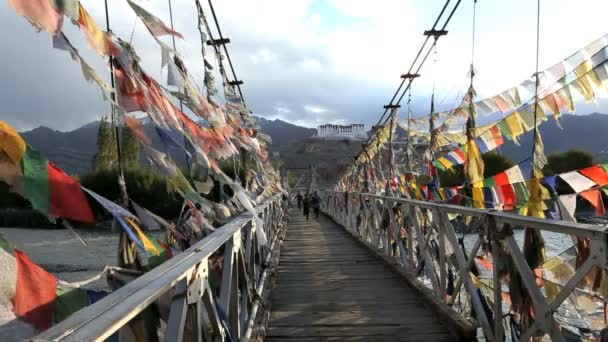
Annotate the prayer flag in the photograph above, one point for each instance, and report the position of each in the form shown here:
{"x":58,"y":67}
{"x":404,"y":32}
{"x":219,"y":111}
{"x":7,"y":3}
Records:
{"x":567,"y":207}
{"x":68,"y":300}
{"x":67,"y":7}
{"x":51,"y":191}
{"x":583,"y":87}
{"x":478,"y":199}
{"x":535,"y":200}
{"x":576,"y":181}
{"x":595,"y":198}
{"x":596,"y":174}
{"x":508,"y":195}
{"x":35,"y":293}
{"x":474,"y":163}
{"x":98,"y":39}
{"x":154,"y":25}
{"x":147,"y":244}
{"x":11,"y":142}
{"x":138,"y":129}
{"x":39,"y":13}
{"x":563,"y":98}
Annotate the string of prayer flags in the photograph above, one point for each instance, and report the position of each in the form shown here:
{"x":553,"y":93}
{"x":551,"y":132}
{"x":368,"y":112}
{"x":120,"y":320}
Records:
{"x":154,"y":25}
{"x":39,"y":13}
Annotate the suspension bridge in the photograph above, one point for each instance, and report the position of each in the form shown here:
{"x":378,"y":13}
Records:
{"x":394,"y":254}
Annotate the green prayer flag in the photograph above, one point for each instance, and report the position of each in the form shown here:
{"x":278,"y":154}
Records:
{"x":36,"y":179}
{"x":68,"y":301}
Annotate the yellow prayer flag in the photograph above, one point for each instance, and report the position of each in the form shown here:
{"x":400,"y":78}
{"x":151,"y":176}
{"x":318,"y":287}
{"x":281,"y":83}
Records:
{"x":514,"y":123}
{"x":473,"y":164}
{"x":97,"y":38}
{"x":445,"y":162}
{"x":478,"y":198}
{"x":584,"y":88}
{"x":535,"y":201}
{"x":11,"y":142}
{"x":583,"y":68}
{"x":148,"y":245}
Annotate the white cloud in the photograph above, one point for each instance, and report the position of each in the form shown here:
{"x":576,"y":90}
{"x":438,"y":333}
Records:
{"x":307,"y":61}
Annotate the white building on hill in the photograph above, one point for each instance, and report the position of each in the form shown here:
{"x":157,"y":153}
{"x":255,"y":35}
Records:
{"x":353,"y":131}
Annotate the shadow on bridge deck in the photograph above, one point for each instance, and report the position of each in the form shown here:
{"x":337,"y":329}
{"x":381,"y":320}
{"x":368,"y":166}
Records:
{"x":329,"y":287}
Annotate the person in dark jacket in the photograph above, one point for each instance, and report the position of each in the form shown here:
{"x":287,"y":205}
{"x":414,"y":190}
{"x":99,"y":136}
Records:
{"x":306,"y":204}
{"x":315,"y":202}
{"x":299,"y":199}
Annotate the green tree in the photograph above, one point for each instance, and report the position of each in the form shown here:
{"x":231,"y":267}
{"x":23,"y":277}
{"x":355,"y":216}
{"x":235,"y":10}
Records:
{"x":106,"y":145}
{"x":570,"y":160}
{"x":130,"y":147}
{"x":495,"y":163}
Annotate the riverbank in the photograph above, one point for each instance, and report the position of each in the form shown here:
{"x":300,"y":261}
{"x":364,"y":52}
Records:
{"x":60,"y":252}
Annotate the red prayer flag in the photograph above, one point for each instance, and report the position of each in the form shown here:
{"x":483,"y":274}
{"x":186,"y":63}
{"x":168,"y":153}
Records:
{"x":595,"y":173}
{"x":508,"y":196}
{"x":66,"y":198}
{"x":595,"y":198}
{"x":35,"y":293}
{"x":502,"y":179}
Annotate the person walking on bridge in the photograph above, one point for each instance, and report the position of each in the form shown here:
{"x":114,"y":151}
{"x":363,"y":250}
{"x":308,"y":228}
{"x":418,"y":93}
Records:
{"x":316,"y":204}
{"x":306,"y":205}
{"x":299,"y":199}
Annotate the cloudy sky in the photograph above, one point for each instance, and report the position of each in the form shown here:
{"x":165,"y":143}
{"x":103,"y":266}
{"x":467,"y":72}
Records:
{"x":304,"y":61}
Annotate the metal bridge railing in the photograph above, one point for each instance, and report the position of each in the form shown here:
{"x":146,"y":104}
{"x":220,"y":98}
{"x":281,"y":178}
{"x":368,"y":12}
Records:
{"x":183,"y":282}
{"x":427,"y":247}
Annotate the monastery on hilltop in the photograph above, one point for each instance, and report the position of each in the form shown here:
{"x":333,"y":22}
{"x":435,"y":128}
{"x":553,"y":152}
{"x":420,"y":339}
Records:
{"x":352,"y":131}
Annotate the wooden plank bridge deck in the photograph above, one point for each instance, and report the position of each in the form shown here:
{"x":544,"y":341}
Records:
{"x":329,"y":287}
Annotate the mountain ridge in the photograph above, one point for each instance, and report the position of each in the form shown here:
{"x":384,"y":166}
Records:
{"x":74,"y":150}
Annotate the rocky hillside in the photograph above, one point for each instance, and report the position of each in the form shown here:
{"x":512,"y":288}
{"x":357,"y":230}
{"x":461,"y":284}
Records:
{"x":330,"y":157}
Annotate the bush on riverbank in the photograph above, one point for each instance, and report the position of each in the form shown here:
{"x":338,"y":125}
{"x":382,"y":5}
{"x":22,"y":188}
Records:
{"x":146,"y":186}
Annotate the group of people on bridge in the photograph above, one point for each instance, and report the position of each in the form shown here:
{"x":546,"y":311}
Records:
{"x":305,"y":202}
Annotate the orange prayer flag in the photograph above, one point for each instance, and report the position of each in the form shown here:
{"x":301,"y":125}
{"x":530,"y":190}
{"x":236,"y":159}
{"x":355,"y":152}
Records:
{"x":595,"y":198}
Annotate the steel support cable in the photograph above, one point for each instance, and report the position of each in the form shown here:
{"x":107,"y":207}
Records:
{"x":411,"y":80}
{"x":121,"y":178}
{"x":426,"y":40}
{"x":202,"y":18}
{"x":219,"y":31}
{"x":429,"y":52}
{"x":534,"y":141}
{"x":181,"y":103}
